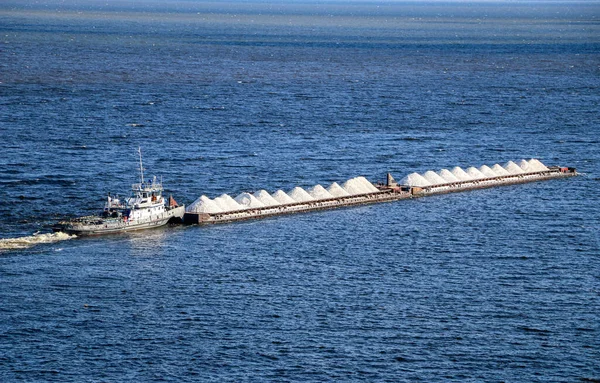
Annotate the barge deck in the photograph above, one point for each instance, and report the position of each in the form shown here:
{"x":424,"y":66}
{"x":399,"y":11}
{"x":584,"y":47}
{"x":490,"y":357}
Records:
{"x":386,"y":193}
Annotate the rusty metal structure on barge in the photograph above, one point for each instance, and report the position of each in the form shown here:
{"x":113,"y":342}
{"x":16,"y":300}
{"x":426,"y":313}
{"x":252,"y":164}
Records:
{"x":387,"y":192}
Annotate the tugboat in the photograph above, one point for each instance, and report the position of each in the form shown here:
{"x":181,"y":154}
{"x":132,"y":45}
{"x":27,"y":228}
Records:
{"x":145,"y":208}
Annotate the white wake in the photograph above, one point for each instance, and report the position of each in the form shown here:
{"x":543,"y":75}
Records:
{"x":32,"y":240}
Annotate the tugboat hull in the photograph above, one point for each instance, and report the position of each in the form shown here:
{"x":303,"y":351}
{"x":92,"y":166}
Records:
{"x":95,"y":225}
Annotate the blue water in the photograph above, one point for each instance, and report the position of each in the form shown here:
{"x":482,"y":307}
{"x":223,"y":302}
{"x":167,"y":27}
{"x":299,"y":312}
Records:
{"x":493,"y":285}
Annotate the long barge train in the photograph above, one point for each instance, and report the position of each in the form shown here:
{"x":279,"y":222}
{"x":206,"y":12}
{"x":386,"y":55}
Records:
{"x":388,"y":191}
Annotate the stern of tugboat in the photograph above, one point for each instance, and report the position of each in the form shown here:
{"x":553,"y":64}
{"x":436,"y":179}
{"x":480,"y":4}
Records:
{"x":176,"y":214}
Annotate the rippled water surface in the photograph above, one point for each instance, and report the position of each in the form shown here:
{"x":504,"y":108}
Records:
{"x":500,"y":284}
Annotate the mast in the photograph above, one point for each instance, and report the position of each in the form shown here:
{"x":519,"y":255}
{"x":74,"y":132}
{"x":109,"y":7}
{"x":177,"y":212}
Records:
{"x":141,"y":166}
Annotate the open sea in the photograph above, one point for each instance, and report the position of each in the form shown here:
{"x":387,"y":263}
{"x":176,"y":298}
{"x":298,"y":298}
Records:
{"x":494,"y":285}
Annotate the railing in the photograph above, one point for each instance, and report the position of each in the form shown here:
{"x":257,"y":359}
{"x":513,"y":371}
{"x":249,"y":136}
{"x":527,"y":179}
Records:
{"x":146,"y":186}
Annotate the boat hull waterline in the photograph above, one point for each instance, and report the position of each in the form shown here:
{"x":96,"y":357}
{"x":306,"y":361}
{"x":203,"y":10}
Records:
{"x":83,"y":227}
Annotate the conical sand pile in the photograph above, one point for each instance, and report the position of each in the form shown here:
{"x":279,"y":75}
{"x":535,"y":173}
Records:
{"x":319,"y":192}
{"x":513,"y":168}
{"x":475,"y":173}
{"x":500,"y":170}
{"x":337,"y":191}
{"x":415,"y":179}
{"x":523,"y":164}
{"x":461,"y":174}
{"x":354,"y":186}
{"x":300,"y":195}
{"x":282,"y":197}
{"x":226,"y":203}
{"x":247,"y":201}
{"x":368,"y":186}
{"x":484,"y":172}
{"x":264,"y":197}
{"x":537,"y":165}
{"x":204,"y":205}
{"x":487,"y":171}
{"x":433,"y":178}
{"x":447,"y":175}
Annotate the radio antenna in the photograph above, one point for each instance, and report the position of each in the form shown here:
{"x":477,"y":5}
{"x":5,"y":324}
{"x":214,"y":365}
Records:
{"x":141,"y":166}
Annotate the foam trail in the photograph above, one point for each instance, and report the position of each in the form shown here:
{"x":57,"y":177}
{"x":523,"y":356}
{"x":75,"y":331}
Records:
{"x":300,"y":195}
{"x":7,"y":244}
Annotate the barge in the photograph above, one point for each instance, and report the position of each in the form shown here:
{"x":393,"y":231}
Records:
{"x":202,"y":212}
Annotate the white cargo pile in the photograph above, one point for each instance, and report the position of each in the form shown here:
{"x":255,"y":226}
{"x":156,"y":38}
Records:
{"x":281,"y":197}
{"x":473,"y":175}
{"x":433,"y":178}
{"x":319,"y":192}
{"x":444,"y":178}
{"x":533,"y":165}
{"x":358,"y":185}
{"x":498,"y":169}
{"x":248,"y":201}
{"x":538,"y":164}
{"x":204,"y":205}
{"x":415,"y":179}
{"x":487,"y":171}
{"x":524,"y":165}
{"x":337,"y":191}
{"x":513,"y":168}
{"x":262,"y":198}
{"x":461,"y":174}
{"x":226,"y":203}
{"x":367,"y":185}
{"x":448,"y":176}
{"x":300,"y":195}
